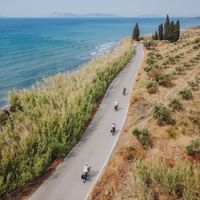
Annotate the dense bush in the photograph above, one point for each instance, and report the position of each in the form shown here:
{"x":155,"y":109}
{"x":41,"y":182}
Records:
{"x":164,"y":80}
{"x":152,"y":87}
{"x":143,"y":136}
{"x":193,"y":148}
{"x":187,"y":65}
{"x":50,"y":118}
{"x":149,"y":44}
{"x":148,"y":68}
{"x":180,"y":70}
{"x":186,"y":94}
{"x":180,"y":181}
{"x":175,"y":105}
{"x":197,"y":79}
{"x":151,"y":68}
{"x":193,"y":84}
{"x":163,"y":115}
{"x":171,"y":60}
{"x":154,"y":71}
{"x":150,"y":61}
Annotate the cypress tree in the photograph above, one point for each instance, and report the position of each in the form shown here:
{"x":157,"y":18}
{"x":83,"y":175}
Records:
{"x":167,"y":28}
{"x":136,"y":32}
{"x":177,"y":30}
{"x":156,"y":35}
{"x":172,"y":34}
{"x":160,"y":32}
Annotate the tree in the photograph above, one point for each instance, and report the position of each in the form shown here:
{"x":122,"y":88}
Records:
{"x":172,"y":36}
{"x":167,"y":28}
{"x":156,"y":35}
{"x":170,"y":31}
{"x":177,"y":30}
{"x":160,"y":32}
{"x":136,"y":32}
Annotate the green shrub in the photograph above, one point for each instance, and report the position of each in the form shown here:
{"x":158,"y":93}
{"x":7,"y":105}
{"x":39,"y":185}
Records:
{"x":150,"y":61}
{"x":186,"y":94}
{"x":150,"y":54}
{"x":175,"y":105}
{"x":193,"y":84}
{"x":154,"y":71}
{"x":195,"y":47}
{"x":163,"y":115}
{"x":180,"y":70}
{"x":143,"y":136}
{"x":158,"y":55}
{"x":196,"y":41}
{"x":177,"y":57}
{"x":164,"y":79}
{"x":193,"y":148}
{"x":197,"y":79}
{"x":166,"y":62}
{"x":152,"y":87}
{"x":187,"y":65}
{"x":149,"y":44}
{"x":148,"y":68}
{"x":171,"y":60}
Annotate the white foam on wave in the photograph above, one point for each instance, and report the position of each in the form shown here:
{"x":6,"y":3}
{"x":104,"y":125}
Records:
{"x":103,"y":49}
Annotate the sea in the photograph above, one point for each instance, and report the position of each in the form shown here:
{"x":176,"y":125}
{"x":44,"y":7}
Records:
{"x":34,"y":48}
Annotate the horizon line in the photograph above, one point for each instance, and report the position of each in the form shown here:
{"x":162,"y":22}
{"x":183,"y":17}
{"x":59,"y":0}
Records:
{"x":68,"y":17}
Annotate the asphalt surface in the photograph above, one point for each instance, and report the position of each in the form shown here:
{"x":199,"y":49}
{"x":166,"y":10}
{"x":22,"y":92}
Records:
{"x":96,"y":144}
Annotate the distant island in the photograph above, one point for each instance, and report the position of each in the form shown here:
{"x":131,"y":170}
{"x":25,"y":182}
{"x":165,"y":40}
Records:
{"x":90,"y":15}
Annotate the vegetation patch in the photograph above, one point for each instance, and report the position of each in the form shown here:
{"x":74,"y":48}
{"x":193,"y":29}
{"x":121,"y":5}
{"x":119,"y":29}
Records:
{"x":143,"y":136}
{"x":164,"y":80}
{"x":163,"y":115}
{"x":193,"y":148}
{"x":194,"y":85}
{"x":186,"y":94}
{"x":176,"y":182}
{"x":175,"y":105}
{"x":152,"y":87}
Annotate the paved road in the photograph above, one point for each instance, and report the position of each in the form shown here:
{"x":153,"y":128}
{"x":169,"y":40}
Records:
{"x":97,"y":143}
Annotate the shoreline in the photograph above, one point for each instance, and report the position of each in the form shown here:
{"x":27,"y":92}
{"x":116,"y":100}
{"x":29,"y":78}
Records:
{"x":77,"y":68}
{"x":7,"y":106}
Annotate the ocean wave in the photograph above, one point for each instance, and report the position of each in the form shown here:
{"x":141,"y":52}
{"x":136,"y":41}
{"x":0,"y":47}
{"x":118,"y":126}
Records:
{"x":103,"y":48}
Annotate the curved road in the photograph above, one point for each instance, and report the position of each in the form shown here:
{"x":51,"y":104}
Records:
{"x":96,"y":144}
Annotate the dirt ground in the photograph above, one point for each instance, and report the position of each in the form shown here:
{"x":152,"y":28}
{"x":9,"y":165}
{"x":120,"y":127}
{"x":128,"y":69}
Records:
{"x":169,"y":141}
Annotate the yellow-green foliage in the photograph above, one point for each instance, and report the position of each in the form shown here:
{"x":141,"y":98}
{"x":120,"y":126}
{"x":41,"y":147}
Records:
{"x":50,"y":118}
{"x":181,"y":181}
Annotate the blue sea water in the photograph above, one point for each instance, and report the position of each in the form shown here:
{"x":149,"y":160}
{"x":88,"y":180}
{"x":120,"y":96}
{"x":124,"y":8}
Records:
{"x":31,"y":49}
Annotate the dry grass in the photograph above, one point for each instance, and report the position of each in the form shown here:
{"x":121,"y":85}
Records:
{"x":181,"y":61}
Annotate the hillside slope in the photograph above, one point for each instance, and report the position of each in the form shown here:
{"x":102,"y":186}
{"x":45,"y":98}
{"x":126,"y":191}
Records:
{"x":158,"y":156}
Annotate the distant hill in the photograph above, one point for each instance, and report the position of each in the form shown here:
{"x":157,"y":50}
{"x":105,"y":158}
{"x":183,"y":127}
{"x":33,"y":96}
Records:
{"x":90,"y":15}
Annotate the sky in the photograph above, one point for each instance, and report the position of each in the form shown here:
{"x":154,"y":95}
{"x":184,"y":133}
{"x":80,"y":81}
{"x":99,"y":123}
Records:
{"x":135,"y":8}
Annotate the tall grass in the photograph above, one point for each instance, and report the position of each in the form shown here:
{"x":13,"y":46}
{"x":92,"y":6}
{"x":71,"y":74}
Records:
{"x":49,"y":119}
{"x":180,"y":181}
